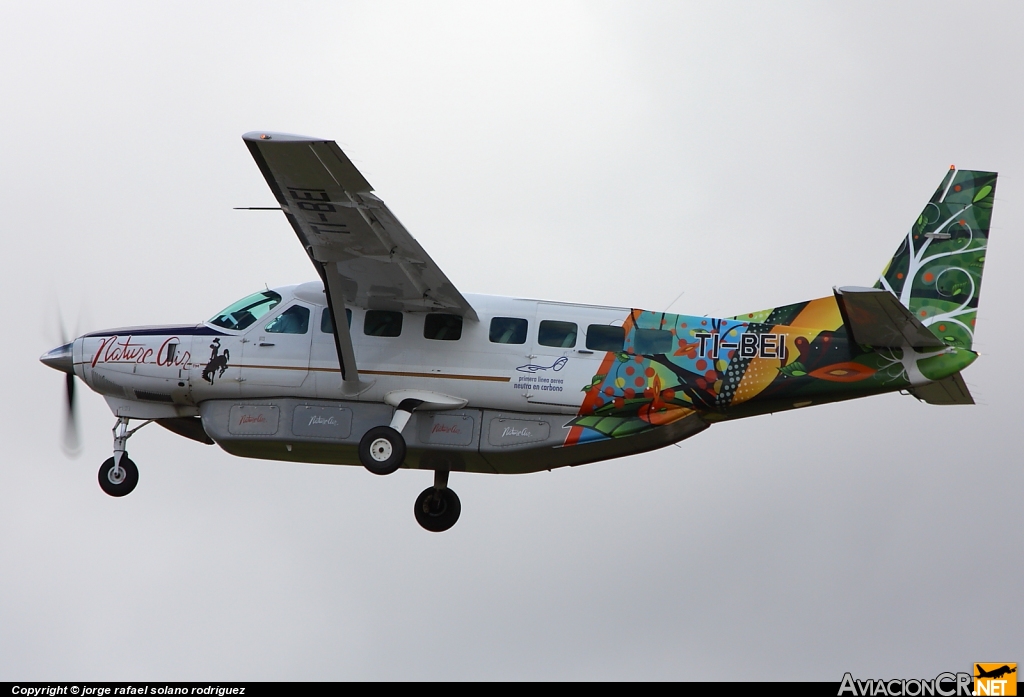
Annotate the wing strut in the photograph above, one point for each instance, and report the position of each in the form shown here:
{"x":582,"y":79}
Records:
{"x":351,"y":385}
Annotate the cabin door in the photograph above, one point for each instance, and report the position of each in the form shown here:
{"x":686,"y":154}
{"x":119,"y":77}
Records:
{"x":561,"y":366}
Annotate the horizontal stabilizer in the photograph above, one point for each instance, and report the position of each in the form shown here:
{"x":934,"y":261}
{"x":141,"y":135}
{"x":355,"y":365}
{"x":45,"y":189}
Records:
{"x":874,"y":317}
{"x":948,"y":390}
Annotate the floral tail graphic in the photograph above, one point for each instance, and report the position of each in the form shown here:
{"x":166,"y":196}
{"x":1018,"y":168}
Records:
{"x":936,"y":272}
{"x":675,"y":366}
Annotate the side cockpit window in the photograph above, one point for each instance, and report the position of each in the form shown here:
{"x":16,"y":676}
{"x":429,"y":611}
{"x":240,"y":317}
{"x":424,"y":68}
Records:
{"x":246,"y":311}
{"x":294,"y":320}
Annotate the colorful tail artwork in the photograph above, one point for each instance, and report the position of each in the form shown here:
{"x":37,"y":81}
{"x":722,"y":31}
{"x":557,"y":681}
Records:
{"x":936,"y":272}
{"x":674,"y":367}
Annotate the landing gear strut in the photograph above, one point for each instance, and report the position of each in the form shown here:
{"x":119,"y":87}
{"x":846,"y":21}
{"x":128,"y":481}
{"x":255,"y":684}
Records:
{"x":438,"y":507}
{"x":119,"y":475}
{"x":382,"y":449}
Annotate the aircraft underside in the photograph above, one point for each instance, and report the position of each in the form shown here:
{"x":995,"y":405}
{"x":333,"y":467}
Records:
{"x":463,"y":440}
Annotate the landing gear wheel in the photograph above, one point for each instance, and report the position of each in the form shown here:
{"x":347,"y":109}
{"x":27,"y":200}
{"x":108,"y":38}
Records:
{"x":119,"y":482}
{"x":382,"y":450}
{"x":437,"y":510}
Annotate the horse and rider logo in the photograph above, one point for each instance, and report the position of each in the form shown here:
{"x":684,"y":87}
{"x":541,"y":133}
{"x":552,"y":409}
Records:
{"x":218,"y":362}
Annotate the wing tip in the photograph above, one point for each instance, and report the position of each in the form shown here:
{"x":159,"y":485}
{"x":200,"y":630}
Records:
{"x":263,"y":136}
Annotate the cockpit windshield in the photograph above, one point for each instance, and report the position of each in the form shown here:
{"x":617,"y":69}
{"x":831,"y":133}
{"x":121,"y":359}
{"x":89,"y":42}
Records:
{"x":247,"y":310}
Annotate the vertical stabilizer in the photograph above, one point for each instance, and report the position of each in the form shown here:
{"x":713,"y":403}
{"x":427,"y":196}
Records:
{"x":936,"y":272}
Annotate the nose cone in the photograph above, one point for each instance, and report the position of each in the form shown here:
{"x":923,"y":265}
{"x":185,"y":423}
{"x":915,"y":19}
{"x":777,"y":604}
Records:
{"x":60,"y":358}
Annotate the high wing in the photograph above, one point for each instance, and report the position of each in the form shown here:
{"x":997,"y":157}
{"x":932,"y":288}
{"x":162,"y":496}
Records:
{"x":365,"y":257}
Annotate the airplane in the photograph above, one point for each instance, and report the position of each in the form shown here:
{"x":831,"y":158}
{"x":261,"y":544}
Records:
{"x":995,"y":673}
{"x":384,"y":363}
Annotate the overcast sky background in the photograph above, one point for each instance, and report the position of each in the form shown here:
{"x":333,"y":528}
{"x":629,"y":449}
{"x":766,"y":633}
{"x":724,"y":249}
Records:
{"x":749,"y":154}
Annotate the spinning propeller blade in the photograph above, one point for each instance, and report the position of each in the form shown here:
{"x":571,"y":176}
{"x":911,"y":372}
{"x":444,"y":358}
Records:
{"x":72,"y":444}
{"x":62,"y":359}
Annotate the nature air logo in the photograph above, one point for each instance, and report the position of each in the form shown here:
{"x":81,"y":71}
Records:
{"x":995,"y":679}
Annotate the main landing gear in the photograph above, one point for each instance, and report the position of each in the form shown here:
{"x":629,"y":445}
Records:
{"x":438,"y":507}
{"x":382,"y":451}
{"x":118,"y":475}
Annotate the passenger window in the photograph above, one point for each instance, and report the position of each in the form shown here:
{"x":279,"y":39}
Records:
{"x":294,"y":320}
{"x":442,"y":327}
{"x":652,"y":341}
{"x":557,"y":334}
{"x":508,"y":330}
{"x":603,"y":337}
{"x":327,"y":322}
{"x":382,"y":323}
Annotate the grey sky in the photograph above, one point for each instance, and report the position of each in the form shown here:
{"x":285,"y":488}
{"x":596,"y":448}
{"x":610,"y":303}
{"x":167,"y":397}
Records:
{"x":751,"y":154}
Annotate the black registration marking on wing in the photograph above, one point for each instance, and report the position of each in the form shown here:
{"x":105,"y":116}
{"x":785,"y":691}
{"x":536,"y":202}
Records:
{"x":317,"y":202}
{"x":320,"y":228}
{"x":308,"y":194}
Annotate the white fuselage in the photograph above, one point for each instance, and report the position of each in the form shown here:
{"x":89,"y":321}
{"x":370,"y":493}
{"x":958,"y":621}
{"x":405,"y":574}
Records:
{"x":142,"y":376}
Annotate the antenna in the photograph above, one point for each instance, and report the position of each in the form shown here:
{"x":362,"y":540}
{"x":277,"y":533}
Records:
{"x":673,"y":302}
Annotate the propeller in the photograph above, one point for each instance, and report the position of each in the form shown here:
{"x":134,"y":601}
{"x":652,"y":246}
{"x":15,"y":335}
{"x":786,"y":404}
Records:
{"x":62,"y":359}
{"x":72,"y":443}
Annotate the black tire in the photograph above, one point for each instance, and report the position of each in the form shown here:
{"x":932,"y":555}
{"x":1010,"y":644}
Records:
{"x":382,"y":450}
{"x":437,"y":516}
{"x":126,"y":485}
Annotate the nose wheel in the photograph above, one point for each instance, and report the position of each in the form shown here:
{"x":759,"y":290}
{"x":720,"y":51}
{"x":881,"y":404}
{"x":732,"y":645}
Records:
{"x":118,"y":475}
{"x":118,"y":479}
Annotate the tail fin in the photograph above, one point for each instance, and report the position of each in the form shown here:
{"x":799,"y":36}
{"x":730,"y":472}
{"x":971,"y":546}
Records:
{"x":936,"y":272}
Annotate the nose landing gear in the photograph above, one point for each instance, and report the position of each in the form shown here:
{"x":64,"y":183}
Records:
{"x":118,"y":476}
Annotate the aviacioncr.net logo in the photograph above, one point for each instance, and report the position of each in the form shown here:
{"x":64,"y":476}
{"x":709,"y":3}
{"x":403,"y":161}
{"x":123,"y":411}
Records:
{"x":942,"y":685}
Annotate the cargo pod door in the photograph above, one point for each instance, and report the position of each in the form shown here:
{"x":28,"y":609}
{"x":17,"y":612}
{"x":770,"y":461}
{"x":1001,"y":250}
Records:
{"x":276,"y":352}
{"x":561,"y":366}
